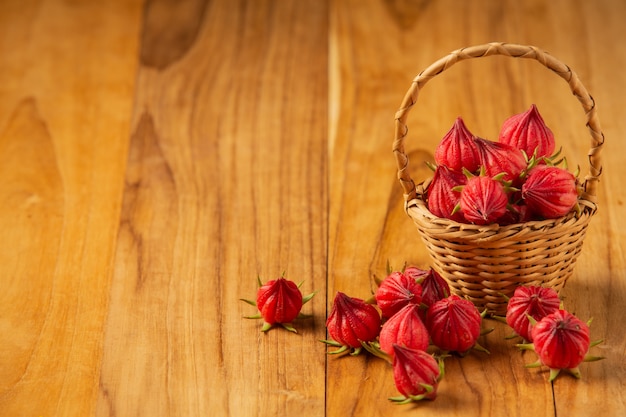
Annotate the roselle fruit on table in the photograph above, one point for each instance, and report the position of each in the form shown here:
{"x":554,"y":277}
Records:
{"x":562,"y":342}
{"x":405,"y":328}
{"x":351,"y":323}
{"x":527,"y":303}
{"x":416,"y":374}
{"x":279,"y":301}
{"x":454,"y":324}
{"x":396,"y":291}
{"x":434,"y":288}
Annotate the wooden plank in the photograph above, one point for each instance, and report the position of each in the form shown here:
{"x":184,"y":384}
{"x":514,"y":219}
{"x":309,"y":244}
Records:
{"x":376,"y":49}
{"x":226,"y":180}
{"x":68,"y":72}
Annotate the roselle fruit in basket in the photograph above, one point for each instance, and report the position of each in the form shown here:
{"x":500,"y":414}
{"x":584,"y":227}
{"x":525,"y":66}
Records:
{"x":279,"y":302}
{"x":530,"y":303}
{"x":483,"y":200}
{"x":442,"y":195}
{"x":501,"y":159}
{"x":550,"y":192}
{"x":350,"y":323}
{"x":527,"y":131}
{"x":396,"y":291}
{"x":457,"y":149}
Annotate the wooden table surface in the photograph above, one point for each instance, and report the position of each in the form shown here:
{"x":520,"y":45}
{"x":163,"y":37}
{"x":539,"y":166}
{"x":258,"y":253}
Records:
{"x":156,"y":157}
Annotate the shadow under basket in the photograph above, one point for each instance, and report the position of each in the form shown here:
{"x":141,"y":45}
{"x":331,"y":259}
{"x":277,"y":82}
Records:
{"x":486,"y":263}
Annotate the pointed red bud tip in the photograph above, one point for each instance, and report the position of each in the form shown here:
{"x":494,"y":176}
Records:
{"x":527,"y":131}
{"x":561,"y":340}
{"x":415,"y":273}
{"x":434,"y":288}
{"x":279,"y":301}
{"x":454,"y":324}
{"x":483,"y":200}
{"x":416,"y":374}
{"x":396,"y":291}
{"x":457,"y":148}
{"x":550,"y":192}
{"x":405,"y":328}
{"x":530,"y":301}
{"x":497,"y":158}
{"x":442,"y":195}
{"x":352,"y":321}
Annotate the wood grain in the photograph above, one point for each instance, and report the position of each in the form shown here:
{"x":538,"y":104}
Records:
{"x":224,"y":182}
{"x":157,"y":156}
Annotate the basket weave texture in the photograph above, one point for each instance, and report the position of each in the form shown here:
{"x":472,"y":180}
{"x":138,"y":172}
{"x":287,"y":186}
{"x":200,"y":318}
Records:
{"x":487,"y":263}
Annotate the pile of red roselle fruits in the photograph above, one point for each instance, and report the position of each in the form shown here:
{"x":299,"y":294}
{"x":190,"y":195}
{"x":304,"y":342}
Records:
{"x":514,"y":180}
{"x":413,"y":322}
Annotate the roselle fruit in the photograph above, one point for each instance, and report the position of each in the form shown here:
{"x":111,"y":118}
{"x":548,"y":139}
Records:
{"x":350,"y":323}
{"x":530,"y":301}
{"x":405,"y":328}
{"x":416,"y":374}
{"x":501,"y":159}
{"x":396,"y":291}
{"x":457,"y":149}
{"x":415,"y":273}
{"x":561,"y":340}
{"x":434,"y":288}
{"x":483,"y":200}
{"x":454,"y":324}
{"x":442,"y":196}
{"x":550,"y":192}
{"x":527,"y":131}
{"x":279,"y":301}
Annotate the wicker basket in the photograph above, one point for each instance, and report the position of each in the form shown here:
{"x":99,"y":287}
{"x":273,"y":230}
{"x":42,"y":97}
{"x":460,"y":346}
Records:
{"x":483,"y":263}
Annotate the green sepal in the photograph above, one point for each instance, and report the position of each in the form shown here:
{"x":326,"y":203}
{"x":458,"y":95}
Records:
{"x":356,"y":351}
{"x":501,"y":319}
{"x":252,"y":303}
{"x":533,"y":365}
{"x":399,"y":400}
{"x":596,"y":343}
{"x":308,"y":298}
{"x":525,"y":346}
{"x":591,"y":358}
{"x":266,"y":327}
{"x":256,"y":316}
{"x":374,"y":349}
{"x":430,"y":165}
{"x":531,"y":319}
{"x":288,"y":326}
{"x":258,"y":280}
{"x":555,"y":372}
{"x":480,"y":348}
{"x":332,"y":343}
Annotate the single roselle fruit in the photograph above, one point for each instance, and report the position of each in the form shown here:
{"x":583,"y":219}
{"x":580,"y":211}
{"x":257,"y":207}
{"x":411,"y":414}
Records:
{"x":442,"y":197}
{"x":561,"y":340}
{"x":416,"y":374}
{"x":434,"y":288}
{"x":415,"y":273}
{"x":396,"y":291}
{"x":483,"y":200}
{"x":405,"y":328}
{"x":530,"y":301}
{"x":550,"y":192}
{"x":457,"y":149}
{"x":454,"y":324}
{"x":527,"y":131}
{"x":279,"y":302}
{"x":350,"y":323}
{"x":501,"y":159}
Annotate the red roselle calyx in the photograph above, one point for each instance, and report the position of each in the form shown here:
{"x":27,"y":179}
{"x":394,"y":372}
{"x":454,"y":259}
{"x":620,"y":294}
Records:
{"x":483,"y":200}
{"x":279,"y":301}
{"x":550,"y":192}
{"x":396,"y":291}
{"x":405,"y":328}
{"x":442,"y":195}
{"x":434,"y":288}
{"x":457,"y":149}
{"x":350,"y":323}
{"x":530,"y":301}
{"x":454,"y":324}
{"x":561,"y":340}
{"x":416,"y":375}
{"x":527,"y":131}
{"x":501,"y":159}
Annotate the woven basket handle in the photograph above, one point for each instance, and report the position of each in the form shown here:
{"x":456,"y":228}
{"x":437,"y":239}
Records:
{"x":514,"y":51}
